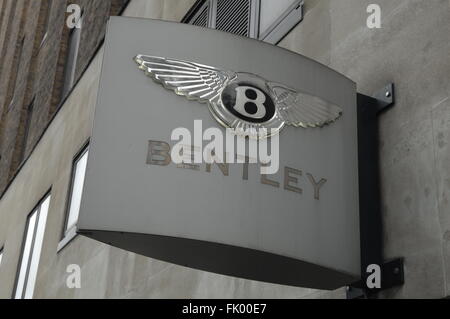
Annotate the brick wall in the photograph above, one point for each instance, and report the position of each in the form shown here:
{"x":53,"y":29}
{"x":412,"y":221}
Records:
{"x":32,"y":68}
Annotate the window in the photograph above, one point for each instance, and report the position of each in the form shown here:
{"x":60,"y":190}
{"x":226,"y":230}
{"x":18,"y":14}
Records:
{"x":14,"y":72}
{"x":234,"y":16}
{"x":45,"y":14}
{"x":72,"y":55}
{"x":26,"y":132}
{"x":31,"y":251}
{"x":2,"y":12}
{"x":267,"y":20}
{"x":201,"y":16}
{"x":74,"y":198}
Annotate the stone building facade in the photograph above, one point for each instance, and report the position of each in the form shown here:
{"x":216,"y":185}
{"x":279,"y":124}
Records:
{"x":411,"y":49}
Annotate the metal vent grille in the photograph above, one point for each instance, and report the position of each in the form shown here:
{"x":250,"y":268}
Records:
{"x":234,"y":16}
{"x":202,"y":17}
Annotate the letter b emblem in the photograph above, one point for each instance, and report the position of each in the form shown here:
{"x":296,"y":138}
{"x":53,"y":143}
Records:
{"x":248,"y":103}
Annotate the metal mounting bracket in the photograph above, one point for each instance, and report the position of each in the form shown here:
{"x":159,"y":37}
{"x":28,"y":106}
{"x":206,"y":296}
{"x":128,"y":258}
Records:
{"x":385,"y":97}
{"x":392,"y":275}
{"x":371,"y":230}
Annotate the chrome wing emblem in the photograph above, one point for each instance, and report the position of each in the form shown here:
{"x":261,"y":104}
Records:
{"x":220,"y":90}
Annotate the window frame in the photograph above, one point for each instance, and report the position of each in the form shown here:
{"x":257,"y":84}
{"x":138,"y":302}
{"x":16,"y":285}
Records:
{"x":284,"y":23}
{"x":276,"y":32}
{"x":2,"y":250}
{"x":70,"y":68}
{"x":68,"y":234}
{"x":36,"y":210}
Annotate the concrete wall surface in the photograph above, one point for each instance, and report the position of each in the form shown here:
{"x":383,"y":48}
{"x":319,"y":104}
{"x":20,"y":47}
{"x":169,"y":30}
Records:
{"x":412,"y":49}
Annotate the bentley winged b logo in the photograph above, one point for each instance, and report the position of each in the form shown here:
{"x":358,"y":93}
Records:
{"x":242,"y":101}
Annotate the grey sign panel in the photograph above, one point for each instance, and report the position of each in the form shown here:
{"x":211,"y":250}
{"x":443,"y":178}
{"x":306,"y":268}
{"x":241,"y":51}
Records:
{"x":298,"y":227}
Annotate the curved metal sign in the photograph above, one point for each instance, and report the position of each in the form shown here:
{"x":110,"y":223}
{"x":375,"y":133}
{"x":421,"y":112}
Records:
{"x":296,"y":224}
